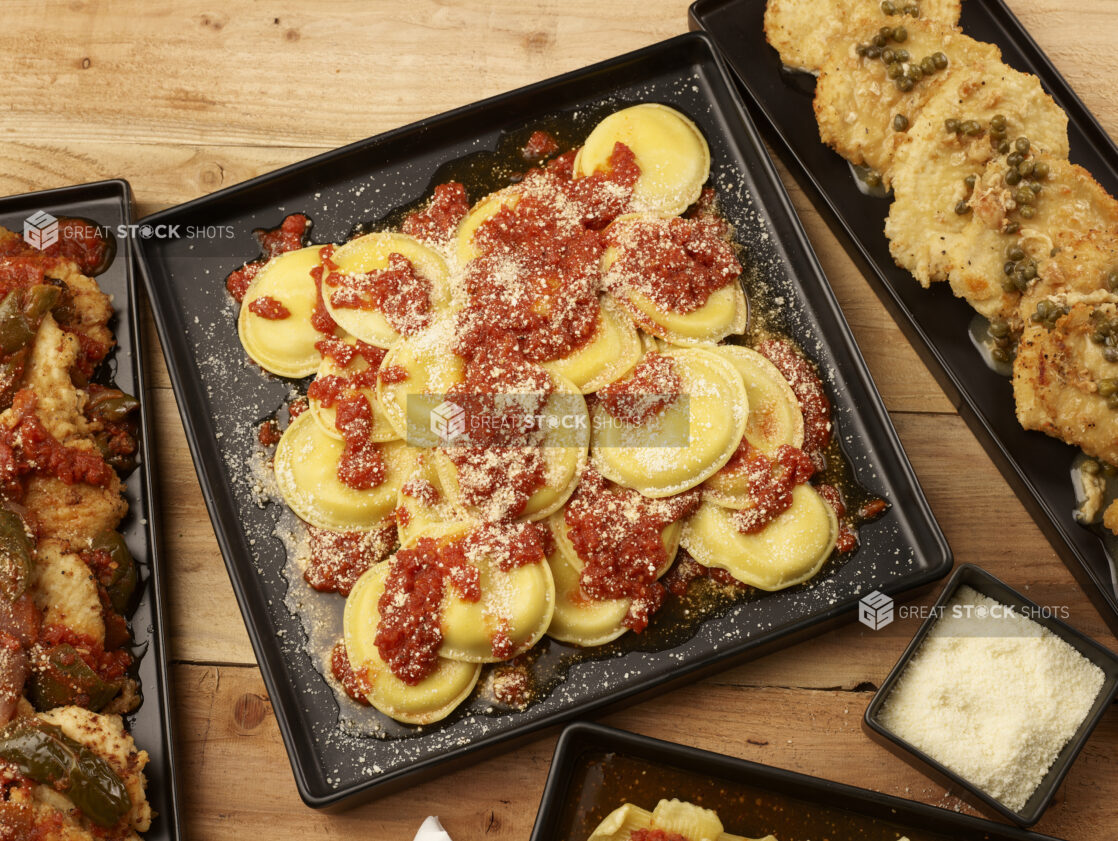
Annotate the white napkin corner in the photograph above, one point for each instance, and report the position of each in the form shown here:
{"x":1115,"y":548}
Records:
{"x":432,"y":830}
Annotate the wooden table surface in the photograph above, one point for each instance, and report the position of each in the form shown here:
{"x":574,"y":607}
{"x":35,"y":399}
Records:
{"x":184,"y":98}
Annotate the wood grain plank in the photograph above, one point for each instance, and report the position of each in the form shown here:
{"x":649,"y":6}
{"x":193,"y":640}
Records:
{"x":226,"y":727}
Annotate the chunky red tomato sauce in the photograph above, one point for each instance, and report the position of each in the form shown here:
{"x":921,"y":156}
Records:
{"x":646,"y":392}
{"x":361,"y":465}
{"x":499,"y":461}
{"x":356,"y":685}
{"x":339,"y":558}
{"x":328,"y":389}
{"x":392,"y":374}
{"x":440,"y":218}
{"x":617,"y":533}
{"x":771,"y":481}
{"x":321,"y":320}
{"x":27,"y":447}
{"x":847,"y":540}
{"x":398,"y":292}
{"x":268,"y":307}
{"x":814,"y":405}
{"x":421,"y":491}
{"x":537,"y":274}
{"x":539,"y":146}
{"x":289,"y":236}
{"x":655,"y":835}
{"x":342,"y":353}
{"x":110,"y":666}
{"x":676,"y":263}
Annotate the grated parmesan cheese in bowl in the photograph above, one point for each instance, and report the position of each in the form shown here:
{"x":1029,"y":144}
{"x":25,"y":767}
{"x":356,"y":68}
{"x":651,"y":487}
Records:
{"x":992,"y":696}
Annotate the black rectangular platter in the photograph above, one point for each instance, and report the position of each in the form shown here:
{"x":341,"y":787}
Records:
{"x":109,"y":204}
{"x":222,"y":396}
{"x":1038,"y":467}
{"x":597,"y":768}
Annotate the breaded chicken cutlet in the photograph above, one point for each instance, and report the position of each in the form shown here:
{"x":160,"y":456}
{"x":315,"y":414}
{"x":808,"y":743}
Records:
{"x":802,"y":30}
{"x":948,"y":148}
{"x":876,"y":81}
{"x":983,"y":197}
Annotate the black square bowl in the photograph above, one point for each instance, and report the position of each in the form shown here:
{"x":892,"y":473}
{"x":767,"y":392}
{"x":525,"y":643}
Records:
{"x":339,"y":753}
{"x":999,"y":591}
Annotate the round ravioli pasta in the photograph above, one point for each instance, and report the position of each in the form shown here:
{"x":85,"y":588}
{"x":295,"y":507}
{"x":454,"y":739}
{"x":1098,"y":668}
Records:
{"x":433,"y":698}
{"x":687,"y":441}
{"x":672,"y":154}
{"x":578,"y":619}
{"x":566,"y":424}
{"x":641,"y":246}
{"x":306,"y":468}
{"x":283,"y":346}
{"x":464,"y":247}
{"x":789,"y":550}
{"x":670,"y":817}
{"x":413,"y":381}
{"x":514,"y":609}
{"x":361,"y":377}
{"x":372,"y":253}
{"x":613,"y":349}
{"x":774,"y":420}
{"x":423,"y":501}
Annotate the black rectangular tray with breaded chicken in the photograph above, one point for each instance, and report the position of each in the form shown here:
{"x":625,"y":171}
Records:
{"x":69,"y":770}
{"x":964,"y":159}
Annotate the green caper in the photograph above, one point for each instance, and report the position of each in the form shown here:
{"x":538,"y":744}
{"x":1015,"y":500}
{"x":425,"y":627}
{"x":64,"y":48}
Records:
{"x":914,"y":72}
{"x":1036,"y":187}
{"x":1024,"y":195}
{"x":962,"y":208}
{"x":1000,"y":354}
{"x":1013,"y":178}
{"x":1112,"y":402}
{"x":1026,"y":168}
{"x":1098,"y":337}
{"x":996,"y":134}
{"x":1045,"y":308}
{"x":879,"y":41}
{"x":1021,"y":144}
{"x":1003,"y":147}
{"x":1040,"y":170}
{"x":871,"y":179}
{"x":970,"y":181}
{"x":1002,"y":341}
{"x":952,"y":125}
{"x":999,"y":122}
{"x":1110,"y":354}
{"x":1028,"y":211}
{"x":1008,"y":285}
{"x":1009,"y":268}
{"x":1014,"y":160}
{"x":972,"y":128}
{"x":900,"y":123}
{"x":888,"y":56}
{"x":1030,"y":271}
{"x":905,"y":84}
{"x":1020,"y":282}
{"x":900,"y":34}
{"x":1112,"y":280}
{"x":888,"y":7}
{"x":1090,"y":467}
{"x":1012,"y":227}
{"x":873,"y":51}
{"x":939,"y":60}
{"x":1015,"y":252}
{"x":862,"y":50}
{"x":999,"y":327}
{"x":912,"y":10}
{"x":895,"y":70}
{"x":902,"y":55}
{"x":928,"y":66}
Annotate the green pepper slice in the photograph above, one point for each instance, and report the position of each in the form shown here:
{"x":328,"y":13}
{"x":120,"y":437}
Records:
{"x":15,"y":556}
{"x":48,"y":756}
{"x":119,"y":580}
{"x":62,"y":678}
